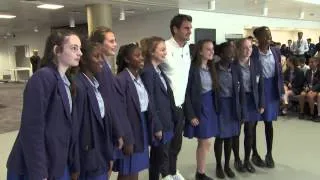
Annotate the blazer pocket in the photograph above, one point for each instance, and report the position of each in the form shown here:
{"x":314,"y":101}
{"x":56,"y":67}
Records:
{"x":92,"y":161}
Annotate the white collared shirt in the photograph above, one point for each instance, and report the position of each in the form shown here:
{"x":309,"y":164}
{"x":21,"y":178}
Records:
{"x":176,"y":67}
{"x":300,"y":47}
{"x":268,"y":64}
{"x":141,"y":90}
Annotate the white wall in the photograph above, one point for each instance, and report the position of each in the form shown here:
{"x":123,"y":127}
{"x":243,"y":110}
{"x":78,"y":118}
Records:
{"x":31,"y":39}
{"x":236,"y":24}
{"x":133,"y":29}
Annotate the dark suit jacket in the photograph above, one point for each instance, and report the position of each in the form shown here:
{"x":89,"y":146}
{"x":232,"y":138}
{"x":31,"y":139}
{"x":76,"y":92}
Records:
{"x":278,"y":68}
{"x":35,"y":62}
{"x":161,"y":98}
{"x":193,"y":102}
{"x":111,"y":99}
{"x":130,"y":101}
{"x":47,"y":131}
{"x":95,"y":138}
{"x":238,"y":91}
{"x":316,"y":80}
{"x":257,"y":83}
{"x":298,"y":80}
{"x":312,"y":50}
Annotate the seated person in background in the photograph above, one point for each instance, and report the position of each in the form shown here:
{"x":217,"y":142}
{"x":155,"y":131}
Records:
{"x":283,"y":63}
{"x":293,"y":81}
{"x":311,"y":89}
{"x":303,"y":65}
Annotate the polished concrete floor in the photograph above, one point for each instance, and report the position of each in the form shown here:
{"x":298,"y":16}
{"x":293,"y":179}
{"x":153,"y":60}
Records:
{"x":296,"y":144}
{"x":296,"y":152}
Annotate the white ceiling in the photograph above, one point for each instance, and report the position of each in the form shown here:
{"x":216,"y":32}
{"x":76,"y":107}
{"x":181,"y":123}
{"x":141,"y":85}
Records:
{"x":28,"y":16}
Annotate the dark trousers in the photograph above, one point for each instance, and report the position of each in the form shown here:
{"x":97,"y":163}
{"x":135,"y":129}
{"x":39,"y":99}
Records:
{"x":176,"y":142}
{"x":159,"y":161}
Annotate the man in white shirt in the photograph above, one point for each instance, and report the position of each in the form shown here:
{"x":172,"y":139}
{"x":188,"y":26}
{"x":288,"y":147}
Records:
{"x":176,"y":67}
{"x":300,"y":46}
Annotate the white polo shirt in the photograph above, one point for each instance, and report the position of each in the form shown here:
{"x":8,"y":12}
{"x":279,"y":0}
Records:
{"x":176,"y":67}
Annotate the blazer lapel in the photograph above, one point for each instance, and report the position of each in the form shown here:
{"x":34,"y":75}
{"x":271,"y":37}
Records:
{"x":253,"y":77}
{"x":92,"y":99}
{"x":133,"y":92}
{"x":64,"y":97}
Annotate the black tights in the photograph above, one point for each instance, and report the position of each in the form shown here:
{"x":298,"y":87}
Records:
{"x":128,"y":177}
{"x":269,"y":138}
{"x":218,"y":151}
{"x":248,"y":131}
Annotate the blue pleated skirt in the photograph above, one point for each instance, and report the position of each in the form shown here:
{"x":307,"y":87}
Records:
{"x":272,"y":100}
{"x":208,"y":125}
{"x":252,"y":113}
{"x":229,"y":124}
{"x":99,"y":177}
{"x":14,"y":176}
{"x":138,"y":161}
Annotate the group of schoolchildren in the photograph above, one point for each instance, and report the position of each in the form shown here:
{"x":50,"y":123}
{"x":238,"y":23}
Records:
{"x":302,"y":86}
{"x":79,"y":121}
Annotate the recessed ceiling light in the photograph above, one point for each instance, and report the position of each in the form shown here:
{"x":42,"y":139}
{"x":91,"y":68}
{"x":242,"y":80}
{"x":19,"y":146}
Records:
{"x":50,"y":6}
{"x":310,"y":1}
{"x":7,"y":16}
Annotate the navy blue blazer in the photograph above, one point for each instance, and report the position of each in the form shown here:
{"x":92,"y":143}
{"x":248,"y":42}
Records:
{"x":257,"y":83}
{"x":111,"y":98}
{"x":193,"y":102}
{"x":298,"y":80}
{"x":162,"y":99}
{"x":238,"y":91}
{"x":130,"y":100}
{"x":47,"y":131}
{"x":316,"y":78}
{"x":95,"y":137}
{"x":278,"y":68}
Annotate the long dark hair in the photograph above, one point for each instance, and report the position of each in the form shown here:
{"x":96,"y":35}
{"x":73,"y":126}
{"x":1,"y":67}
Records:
{"x":56,"y":38}
{"x":124,"y":54}
{"x":197,"y":60}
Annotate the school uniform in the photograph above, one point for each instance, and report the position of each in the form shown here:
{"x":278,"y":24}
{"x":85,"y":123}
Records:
{"x":230,"y":100}
{"x":142,"y":119}
{"x":312,"y":80}
{"x":120,"y":125}
{"x":273,"y":81}
{"x":253,"y":84}
{"x":45,"y":145}
{"x":296,"y":78}
{"x":95,"y":137}
{"x":201,"y":104}
{"x":157,"y":85}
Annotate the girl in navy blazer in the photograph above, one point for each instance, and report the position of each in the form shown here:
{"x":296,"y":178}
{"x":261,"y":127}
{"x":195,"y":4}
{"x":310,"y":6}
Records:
{"x":95,"y":137}
{"x":270,"y":60}
{"x":200,"y":105}
{"x":157,"y":84}
{"x":46,"y":144}
{"x":253,"y":105}
{"x":230,"y":98}
{"x":293,"y":81}
{"x":139,"y":111}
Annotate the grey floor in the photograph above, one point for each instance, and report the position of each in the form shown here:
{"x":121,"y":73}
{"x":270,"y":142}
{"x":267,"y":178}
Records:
{"x":296,"y":145}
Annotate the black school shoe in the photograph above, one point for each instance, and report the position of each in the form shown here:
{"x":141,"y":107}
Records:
{"x":256,"y":160}
{"x":248,"y":166}
{"x":301,"y":115}
{"x":202,"y":177}
{"x":316,"y":119}
{"x":269,"y":161}
{"x":239,"y":166}
{"x":220,"y":173}
{"x":229,"y":172}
